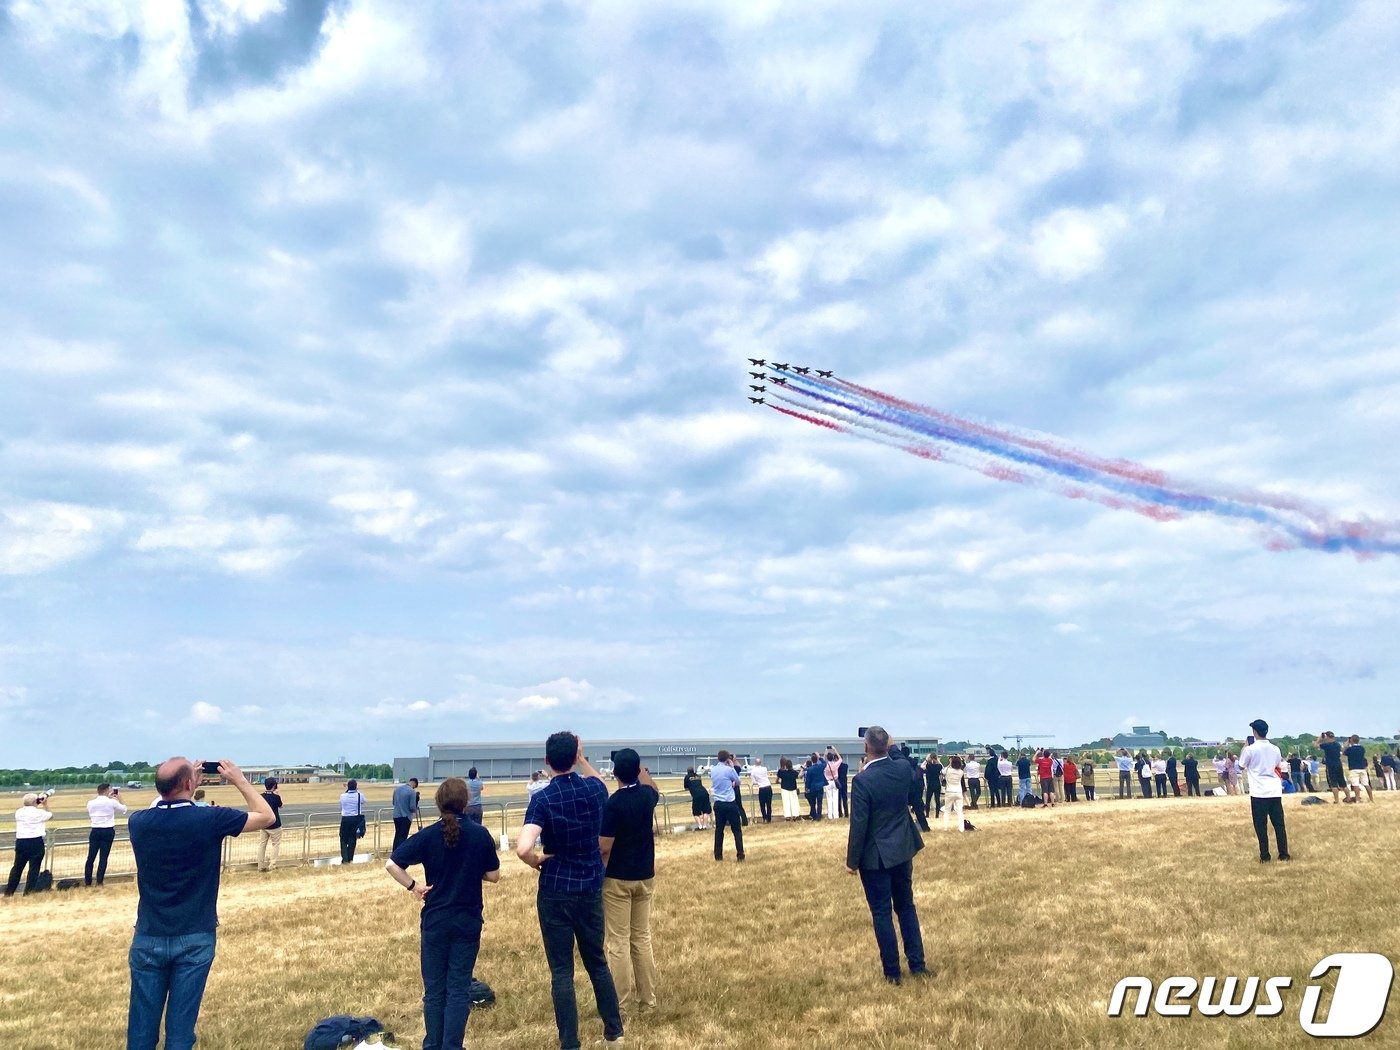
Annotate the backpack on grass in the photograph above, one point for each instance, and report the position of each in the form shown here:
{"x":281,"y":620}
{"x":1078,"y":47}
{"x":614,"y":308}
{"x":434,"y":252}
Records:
{"x":340,"y":1032}
{"x":968,"y":825}
{"x":481,"y":994}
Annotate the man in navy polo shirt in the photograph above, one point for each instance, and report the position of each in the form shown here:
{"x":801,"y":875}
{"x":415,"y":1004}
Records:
{"x":178,"y":848}
{"x":566,"y":819}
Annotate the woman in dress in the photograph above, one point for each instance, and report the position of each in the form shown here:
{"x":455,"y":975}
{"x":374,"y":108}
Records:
{"x":700,"y":807}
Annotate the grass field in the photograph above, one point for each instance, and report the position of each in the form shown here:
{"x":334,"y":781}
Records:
{"x":1029,"y":922}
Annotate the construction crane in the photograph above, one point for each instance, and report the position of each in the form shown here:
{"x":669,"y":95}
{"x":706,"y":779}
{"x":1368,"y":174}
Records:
{"x":1018,"y":737}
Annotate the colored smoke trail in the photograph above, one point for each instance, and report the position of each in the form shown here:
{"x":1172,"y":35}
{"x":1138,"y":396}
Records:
{"x":1007,"y":454}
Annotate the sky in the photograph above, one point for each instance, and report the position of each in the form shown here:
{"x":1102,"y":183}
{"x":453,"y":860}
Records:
{"x":374,"y":374}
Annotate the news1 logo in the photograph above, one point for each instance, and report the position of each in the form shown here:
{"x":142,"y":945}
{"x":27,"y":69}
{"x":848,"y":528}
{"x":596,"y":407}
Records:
{"x":1358,"y":1002}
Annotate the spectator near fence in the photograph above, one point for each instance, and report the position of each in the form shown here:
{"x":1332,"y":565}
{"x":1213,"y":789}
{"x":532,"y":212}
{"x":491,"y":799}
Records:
{"x":270,"y":839}
{"x":102,"y":815}
{"x":787,"y":786}
{"x":30,"y":819}
{"x":1331,"y":749}
{"x":628,"y":846}
{"x":1388,"y":768}
{"x":457,"y":857}
{"x":1023,"y":778}
{"x":474,"y":789}
{"x":178,"y":848}
{"x":1086,"y":778}
{"x":933,"y":785}
{"x":352,"y":820}
{"x":814,"y":782}
{"x":953,"y":793}
{"x":972,"y":769}
{"x":405,"y":802}
{"x":700,"y":806}
{"x":1124,"y":762}
{"x":1193,"y":774}
{"x":758,"y":774}
{"x":566,"y":819}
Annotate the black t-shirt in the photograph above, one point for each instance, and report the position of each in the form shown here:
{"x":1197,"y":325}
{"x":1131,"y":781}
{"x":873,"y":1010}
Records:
{"x":627,"y":820}
{"x":178,"y":848}
{"x":932,"y":773}
{"x":1023,"y":767}
{"x":1356,"y":756}
{"x":275,"y":801}
{"x":1332,"y":754}
{"x":696,"y":787}
{"x":454,"y":874}
{"x":1295,"y":764}
{"x":787,"y":779}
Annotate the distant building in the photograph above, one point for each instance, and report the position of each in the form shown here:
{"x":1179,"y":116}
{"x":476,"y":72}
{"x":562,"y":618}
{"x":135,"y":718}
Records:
{"x":1140,"y":737}
{"x":292,"y":774}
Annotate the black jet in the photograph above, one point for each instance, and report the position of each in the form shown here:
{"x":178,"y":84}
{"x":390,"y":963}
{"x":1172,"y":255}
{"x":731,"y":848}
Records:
{"x":756,"y":361}
{"x":779,"y":367}
{"x":760,"y":389}
{"x":756,"y":400}
{"x":824,"y":375}
{"x":757,"y":375}
{"x":779,"y":380}
{"x":802,"y":371}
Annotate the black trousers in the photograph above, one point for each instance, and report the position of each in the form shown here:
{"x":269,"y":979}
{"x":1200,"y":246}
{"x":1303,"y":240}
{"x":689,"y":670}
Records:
{"x":27,"y":852}
{"x":1161,"y":779}
{"x":934,"y":791}
{"x":1193,"y":784}
{"x":1089,"y":792}
{"x":349,"y":835}
{"x":1072,"y":791}
{"x":99,"y":849}
{"x":1125,"y":784}
{"x":1266,"y":811}
{"x":743,"y":812}
{"x":842,"y":789}
{"x":994,"y":791}
{"x":974,"y":790}
{"x":1176,"y":786}
{"x":814,"y":804}
{"x":765,"y":804}
{"x":890,"y":893}
{"x":1146,"y":783}
{"x":728,"y":813}
{"x":1307,"y":782}
{"x":566,"y":918}
{"x":401,"y":829}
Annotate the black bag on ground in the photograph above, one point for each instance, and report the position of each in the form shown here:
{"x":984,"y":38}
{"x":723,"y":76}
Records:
{"x":481,"y":994}
{"x":1030,"y":802}
{"x":968,"y":825}
{"x":340,"y":1031}
{"x":44,"y":882}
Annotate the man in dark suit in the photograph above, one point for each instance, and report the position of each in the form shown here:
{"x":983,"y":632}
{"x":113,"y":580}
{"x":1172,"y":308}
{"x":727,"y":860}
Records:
{"x":881,"y":848}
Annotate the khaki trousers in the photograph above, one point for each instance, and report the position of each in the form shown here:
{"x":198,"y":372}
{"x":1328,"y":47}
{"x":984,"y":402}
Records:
{"x":267,"y":859}
{"x":627,"y":932}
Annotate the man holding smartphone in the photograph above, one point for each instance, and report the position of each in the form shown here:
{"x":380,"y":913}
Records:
{"x":102,"y":815}
{"x":178,"y":848}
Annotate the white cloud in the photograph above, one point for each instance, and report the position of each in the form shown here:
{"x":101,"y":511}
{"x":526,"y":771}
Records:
{"x":206,"y":714}
{"x":36,"y":537}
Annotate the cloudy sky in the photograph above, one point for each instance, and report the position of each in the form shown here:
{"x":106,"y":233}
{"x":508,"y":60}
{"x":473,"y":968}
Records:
{"x":371,"y":374}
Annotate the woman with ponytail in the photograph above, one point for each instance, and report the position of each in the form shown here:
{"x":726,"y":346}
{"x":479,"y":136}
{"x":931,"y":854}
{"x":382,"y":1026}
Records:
{"x":457,"y":855}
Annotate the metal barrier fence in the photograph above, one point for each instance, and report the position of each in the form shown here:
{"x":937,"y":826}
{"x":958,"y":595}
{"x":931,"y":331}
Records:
{"x":316,"y":836}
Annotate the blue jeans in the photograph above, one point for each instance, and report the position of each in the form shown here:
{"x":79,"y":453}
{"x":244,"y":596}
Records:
{"x":1023,"y":789}
{"x":167,"y":977}
{"x":564,"y":919}
{"x":447,"y":957}
{"x":890,"y":894}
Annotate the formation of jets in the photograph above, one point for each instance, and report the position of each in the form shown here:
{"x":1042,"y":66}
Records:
{"x":782,"y":381}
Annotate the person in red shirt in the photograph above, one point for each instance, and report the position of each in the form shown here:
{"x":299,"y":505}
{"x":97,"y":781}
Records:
{"x":1071,"y":780}
{"x":1045,"y":769}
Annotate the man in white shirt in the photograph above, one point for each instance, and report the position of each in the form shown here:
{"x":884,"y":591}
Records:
{"x":102,"y":813}
{"x":30,"y":819}
{"x":1262,"y":760}
{"x":758,"y":774}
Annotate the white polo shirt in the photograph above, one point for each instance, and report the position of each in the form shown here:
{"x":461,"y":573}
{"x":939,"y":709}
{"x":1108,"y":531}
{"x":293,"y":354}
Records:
{"x":103,"y":810}
{"x":1262,"y":759}
{"x":759,"y":776}
{"x":30,"y":821}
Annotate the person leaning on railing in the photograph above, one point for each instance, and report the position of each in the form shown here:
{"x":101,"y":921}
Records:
{"x":30,"y":819}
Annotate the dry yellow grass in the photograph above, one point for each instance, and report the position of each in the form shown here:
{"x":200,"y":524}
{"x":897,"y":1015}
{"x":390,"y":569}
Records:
{"x":1030,"y":923}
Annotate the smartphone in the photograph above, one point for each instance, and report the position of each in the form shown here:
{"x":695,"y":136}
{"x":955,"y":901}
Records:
{"x":861,"y":731}
{"x":211,"y":769}
{"x":1249,"y":739}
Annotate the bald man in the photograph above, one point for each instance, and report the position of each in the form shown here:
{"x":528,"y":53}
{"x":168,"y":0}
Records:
{"x":178,"y":848}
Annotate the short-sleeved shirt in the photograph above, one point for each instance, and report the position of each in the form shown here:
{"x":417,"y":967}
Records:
{"x":1356,"y":756}
{"x":474,"y":787}
{"x":628,"y":821}
{"x":1045,"y":767}
{"x":405,"y":802}
{"x":274,"y":800}
{"x":103,"y":810}
{"x":1262,"y":759}
{"x":1332,"y":754}
{"x":569,"y":814}
{"x":454,"y":874}
{"x":787,"y":779}
{"x":723,"y":782}
{"x":1023,"y":767}
{"x":178,"y":848}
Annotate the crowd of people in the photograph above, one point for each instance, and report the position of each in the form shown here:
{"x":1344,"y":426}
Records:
{"x":595,"y":855}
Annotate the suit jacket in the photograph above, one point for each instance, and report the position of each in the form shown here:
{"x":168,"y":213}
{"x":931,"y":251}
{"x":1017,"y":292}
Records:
{"x":882,"y":833}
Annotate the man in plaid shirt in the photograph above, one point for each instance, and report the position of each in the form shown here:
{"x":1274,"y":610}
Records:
{"x":566,"y":819}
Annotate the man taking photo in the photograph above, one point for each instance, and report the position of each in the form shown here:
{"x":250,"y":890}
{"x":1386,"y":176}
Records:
{"x":405,"y":801}
{"x":178,"y":848}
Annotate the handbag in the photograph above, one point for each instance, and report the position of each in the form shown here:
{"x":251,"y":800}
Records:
{"x":360,"y":808}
